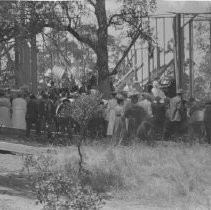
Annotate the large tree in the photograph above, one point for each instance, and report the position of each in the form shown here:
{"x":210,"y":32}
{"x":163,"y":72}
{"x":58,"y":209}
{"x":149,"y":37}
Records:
{"x":89,"y":21}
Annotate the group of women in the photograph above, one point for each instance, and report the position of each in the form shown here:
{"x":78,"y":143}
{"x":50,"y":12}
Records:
{"x":125,"y":108}
{"x":12,"y":112}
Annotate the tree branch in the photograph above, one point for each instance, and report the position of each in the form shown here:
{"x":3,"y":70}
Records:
{"x":67,"y":60}
{"x":84,"y":39}
{"x":81,"y":157}
{"x":115,"y":70}
{"x":110,"y":21}
{"x":91,"y":2}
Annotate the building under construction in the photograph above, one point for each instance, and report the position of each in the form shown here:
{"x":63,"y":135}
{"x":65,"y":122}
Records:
{"x":168,"y":54}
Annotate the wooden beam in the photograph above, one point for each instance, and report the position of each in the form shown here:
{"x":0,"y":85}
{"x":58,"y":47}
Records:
{"x":191,"y":58}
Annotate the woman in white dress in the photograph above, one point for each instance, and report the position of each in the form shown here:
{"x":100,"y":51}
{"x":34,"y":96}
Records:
{"x":18,"y":112}
{"x":5,"y":108}
{"x":156,"y":91}
{"x":110,"y":116}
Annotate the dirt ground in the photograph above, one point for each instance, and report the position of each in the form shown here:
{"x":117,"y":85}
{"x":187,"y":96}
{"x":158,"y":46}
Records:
{"x":15,"y":195}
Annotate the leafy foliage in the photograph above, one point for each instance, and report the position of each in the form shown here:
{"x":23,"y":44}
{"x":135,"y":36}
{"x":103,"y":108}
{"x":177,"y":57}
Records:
{"x":203,"y":59}
{"x":58,"y":190}
{"x":88,"y":21}
{"x":86,"y":108}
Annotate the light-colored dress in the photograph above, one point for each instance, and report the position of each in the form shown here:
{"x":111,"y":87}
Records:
{"x":119,"y":125}
{"x":5,"y":106}
{"x":112,"y":103}
{"x":158,"y":92}
{"x":175,"y":105}
{"x":18,"y":113}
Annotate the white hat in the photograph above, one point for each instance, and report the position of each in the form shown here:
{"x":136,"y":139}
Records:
{"x":179,"y":91}
{"x":155,"y":84}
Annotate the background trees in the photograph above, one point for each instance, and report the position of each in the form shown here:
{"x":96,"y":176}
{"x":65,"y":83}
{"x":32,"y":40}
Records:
{"x":89,"y":21}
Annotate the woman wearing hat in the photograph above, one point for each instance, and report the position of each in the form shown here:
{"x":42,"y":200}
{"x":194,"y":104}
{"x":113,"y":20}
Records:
{"x":156,"y":91}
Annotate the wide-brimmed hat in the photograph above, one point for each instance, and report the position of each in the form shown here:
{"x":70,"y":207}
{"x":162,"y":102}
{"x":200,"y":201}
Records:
{"x":119,"y":96}
{"x":157,"y":98}
{"x":180,"y":91}
{"x":133,"y":93}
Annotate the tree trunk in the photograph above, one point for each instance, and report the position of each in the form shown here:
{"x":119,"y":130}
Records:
{"x":18,"y":73}
{"x":102,"y":50}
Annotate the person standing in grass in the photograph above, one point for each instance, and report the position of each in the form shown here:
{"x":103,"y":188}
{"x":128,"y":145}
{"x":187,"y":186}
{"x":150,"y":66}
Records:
{"x":110,"y":116}
{"x":176,"y":115}
{"x":119,"y":124}
{"x":131,"y":115}
{"x":32,"y":115}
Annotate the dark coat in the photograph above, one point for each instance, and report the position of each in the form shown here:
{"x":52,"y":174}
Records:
{"x":158,"y":112}
{"x":32,"y":109}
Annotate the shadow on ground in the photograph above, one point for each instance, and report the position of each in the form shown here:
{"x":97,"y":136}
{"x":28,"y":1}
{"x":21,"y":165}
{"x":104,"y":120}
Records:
{"x":15,"y":185}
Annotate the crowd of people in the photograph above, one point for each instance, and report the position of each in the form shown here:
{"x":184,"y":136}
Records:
{"x":128,"y":114}
{"x":132,"y":114}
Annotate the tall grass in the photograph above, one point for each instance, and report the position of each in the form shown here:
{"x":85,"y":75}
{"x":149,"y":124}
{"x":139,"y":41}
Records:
{"x":162,"y":174}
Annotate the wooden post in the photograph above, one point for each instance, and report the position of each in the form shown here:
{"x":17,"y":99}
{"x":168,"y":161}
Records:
{"x":210,"y":61}
{"x":153,"y":62}
{"x":0,"y":57}
{"x":157,"y":49}
{"x":191,"y":57}
{"x":135,"y":63}
{"x":149,"y":73}
{"x":164,"y":41}
{"x":142,"y":68}
{"x":178,"y":51}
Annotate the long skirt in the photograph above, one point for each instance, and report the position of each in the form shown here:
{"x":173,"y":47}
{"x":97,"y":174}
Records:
{"x":111,"y":121}
{"x":132,"y":128}
{"x":119,"y":130}
{"x":5,"y":119}
{"x":18,"y":119}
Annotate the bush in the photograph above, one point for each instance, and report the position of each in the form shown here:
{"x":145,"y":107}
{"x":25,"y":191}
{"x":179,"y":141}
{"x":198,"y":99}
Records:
{"x":58,"y":190}
{"x":84,"y":109}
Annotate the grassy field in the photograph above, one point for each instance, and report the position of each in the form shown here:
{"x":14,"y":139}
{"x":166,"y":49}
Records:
{"x":173,"y":174}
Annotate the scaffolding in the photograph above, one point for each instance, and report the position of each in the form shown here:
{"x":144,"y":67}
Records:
{"x":154,"y":66}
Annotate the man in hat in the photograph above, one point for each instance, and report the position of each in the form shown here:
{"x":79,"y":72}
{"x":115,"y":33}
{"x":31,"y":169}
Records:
{"x":32,"y":115}
{"x":176,"y":114}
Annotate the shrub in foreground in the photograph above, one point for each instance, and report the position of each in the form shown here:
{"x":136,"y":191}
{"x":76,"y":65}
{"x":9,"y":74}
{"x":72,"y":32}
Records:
{"x":57,"y":190}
